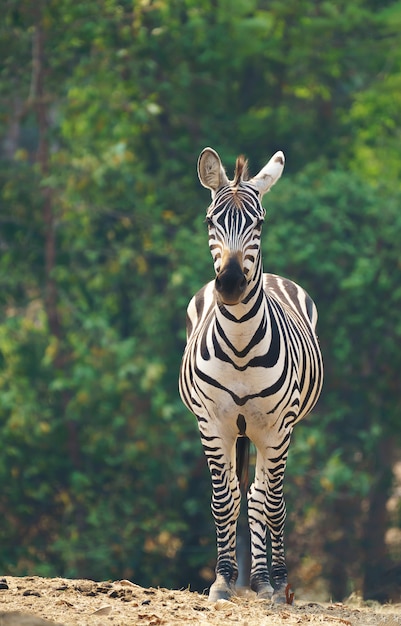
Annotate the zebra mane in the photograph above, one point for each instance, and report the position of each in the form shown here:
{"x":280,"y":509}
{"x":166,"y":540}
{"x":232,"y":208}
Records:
{"x":241,"y":170}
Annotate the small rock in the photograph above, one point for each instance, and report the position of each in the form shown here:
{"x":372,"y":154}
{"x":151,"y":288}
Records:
{"x":31,"y":592}
{"x":84,"y":587}
{"x":64,"y":602}
{"x":103,"y":586}
{"x":223,"y":604}
{"x":3,"y":585}
{"x":127,"y":583}
{"x":104,"y":610}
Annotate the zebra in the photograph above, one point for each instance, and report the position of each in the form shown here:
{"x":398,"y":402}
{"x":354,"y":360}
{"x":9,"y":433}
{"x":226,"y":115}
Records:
{"x":252,"y":368}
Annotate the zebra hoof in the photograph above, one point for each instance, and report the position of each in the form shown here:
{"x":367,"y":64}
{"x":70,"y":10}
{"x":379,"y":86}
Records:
{"x":283,"y":595}
{"x":279,"y":598}
{"x":220,"y":591}
{"x":261,"y":584}
{"x":265,"y":592}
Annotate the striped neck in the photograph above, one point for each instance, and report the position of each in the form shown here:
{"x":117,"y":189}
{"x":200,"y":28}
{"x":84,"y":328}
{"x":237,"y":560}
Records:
{"x":241,"y":321}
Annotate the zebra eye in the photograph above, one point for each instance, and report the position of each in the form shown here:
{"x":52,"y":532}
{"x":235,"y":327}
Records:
{"x":209,"y":221}
{"x":259,"y":223}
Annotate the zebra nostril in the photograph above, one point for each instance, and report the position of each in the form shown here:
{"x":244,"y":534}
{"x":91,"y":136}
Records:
{"x":242,"y":283}
{"x":218,"y":284}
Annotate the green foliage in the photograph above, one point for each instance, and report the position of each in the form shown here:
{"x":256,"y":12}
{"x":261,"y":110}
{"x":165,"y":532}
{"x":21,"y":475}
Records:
{"x":376,"y":111}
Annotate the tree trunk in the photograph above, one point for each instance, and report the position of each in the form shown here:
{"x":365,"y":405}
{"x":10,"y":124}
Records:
{"x":340,"y":544}
{"x":376,"y":563}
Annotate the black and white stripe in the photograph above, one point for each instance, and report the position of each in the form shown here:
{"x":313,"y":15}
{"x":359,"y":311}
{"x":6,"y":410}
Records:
{"x":252,"y":367}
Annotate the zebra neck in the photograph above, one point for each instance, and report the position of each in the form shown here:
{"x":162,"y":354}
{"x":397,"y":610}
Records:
{"x":241,"y":322}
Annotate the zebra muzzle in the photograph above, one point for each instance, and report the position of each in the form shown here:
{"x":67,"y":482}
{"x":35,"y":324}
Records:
{"x":230,"y":282}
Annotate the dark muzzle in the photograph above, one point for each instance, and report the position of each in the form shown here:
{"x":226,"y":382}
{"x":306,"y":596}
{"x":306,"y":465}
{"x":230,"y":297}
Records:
{"x":230,"y":282}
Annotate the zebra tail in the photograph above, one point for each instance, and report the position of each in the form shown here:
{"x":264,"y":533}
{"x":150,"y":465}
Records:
{"x":243,"y":453}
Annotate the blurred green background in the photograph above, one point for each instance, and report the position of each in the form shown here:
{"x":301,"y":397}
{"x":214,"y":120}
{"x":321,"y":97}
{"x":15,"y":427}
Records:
{"x":104,"y":108}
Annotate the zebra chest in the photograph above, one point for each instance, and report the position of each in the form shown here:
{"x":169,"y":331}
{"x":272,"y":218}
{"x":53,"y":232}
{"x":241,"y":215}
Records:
{"x":244,"y":363}
{"x":252,"y":386}
{"x":249,"y":372}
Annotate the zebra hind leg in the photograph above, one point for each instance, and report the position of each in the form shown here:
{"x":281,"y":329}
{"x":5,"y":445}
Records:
{"x":260,"y":579}
{"x":267,"y":511}
{"x":275,"y":511}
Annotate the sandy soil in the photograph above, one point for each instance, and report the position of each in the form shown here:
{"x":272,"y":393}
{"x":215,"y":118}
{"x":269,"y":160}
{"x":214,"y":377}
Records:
{"x":34,"y":601}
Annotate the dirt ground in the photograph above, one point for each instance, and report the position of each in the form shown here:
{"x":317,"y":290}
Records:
{"x":35,"y":601}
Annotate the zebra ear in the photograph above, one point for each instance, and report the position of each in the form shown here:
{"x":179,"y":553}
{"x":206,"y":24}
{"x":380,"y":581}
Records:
{"x":269,"y":175}
{"x":210,"y":170}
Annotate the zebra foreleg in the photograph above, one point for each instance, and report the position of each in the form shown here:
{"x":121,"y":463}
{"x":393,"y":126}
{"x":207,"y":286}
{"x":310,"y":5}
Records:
{"x":226,"y":500}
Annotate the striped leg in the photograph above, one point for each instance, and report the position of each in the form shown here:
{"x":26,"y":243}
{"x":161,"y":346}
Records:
{"x":226,"y":500}
{"x":266,"y":510}
{"x":260,"y":579}
{"x":276,"y":515}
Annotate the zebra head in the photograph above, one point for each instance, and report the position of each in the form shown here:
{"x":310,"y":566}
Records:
{"x":235,"y":219}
